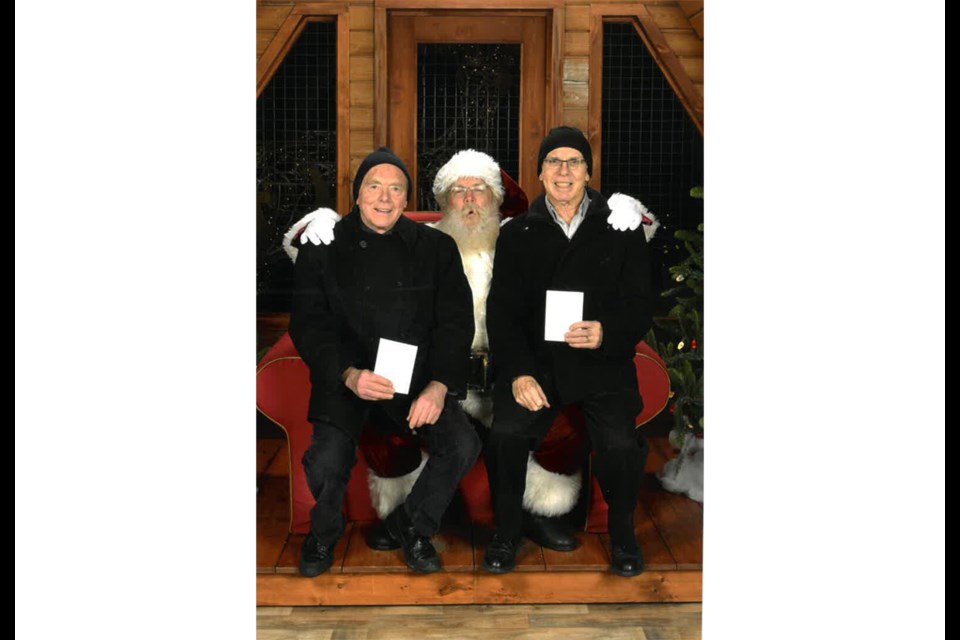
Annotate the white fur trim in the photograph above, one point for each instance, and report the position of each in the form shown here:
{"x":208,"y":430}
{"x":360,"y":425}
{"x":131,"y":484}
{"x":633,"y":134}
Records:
{"x":547,"y":493}
{"x":684,"y":474}
{"x":468,"y":163}
{"x":650,"y":230}
{"x":387,"y":493}
{"x":478,"y":268}
{"x":294,"y":231}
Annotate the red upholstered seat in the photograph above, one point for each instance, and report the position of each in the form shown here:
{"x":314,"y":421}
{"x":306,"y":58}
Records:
{"x":283,"y":393}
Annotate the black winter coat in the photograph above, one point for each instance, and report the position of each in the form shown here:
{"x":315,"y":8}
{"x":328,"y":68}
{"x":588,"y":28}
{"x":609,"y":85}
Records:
{"x":422,"y":299}
{"x":611,"y":267}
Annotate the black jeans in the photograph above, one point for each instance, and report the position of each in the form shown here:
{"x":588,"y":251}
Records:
{"x":453,"y":446}
{"x":620,"y":454}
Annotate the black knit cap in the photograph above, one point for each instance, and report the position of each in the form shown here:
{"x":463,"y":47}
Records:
{"x":383,"y":155}
{"x":565,"y":137}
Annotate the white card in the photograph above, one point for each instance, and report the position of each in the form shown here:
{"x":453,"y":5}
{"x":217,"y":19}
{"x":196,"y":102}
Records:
{"x":395,"y":362}
{"x":563,"y":309}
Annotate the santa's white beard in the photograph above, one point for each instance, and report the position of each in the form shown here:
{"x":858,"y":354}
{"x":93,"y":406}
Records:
{"x":481,"y":236}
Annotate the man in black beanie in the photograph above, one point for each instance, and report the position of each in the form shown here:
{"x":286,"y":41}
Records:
{"x":390,"y":278}
{"x":564,"y":243}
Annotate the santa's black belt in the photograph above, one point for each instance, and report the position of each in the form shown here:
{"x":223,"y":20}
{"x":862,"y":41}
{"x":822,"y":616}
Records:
{"x":479,"y":377}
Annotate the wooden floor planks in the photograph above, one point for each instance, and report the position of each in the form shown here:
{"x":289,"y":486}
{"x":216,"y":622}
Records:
{"x":669,"y":527}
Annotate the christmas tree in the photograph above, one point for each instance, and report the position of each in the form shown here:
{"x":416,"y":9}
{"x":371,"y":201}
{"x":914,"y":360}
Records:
{"x":681,"y":346}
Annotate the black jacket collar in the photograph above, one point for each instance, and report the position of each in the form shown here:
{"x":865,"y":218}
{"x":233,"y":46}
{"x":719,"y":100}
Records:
{"x":406,"y":228}
{"x":598,"y":206}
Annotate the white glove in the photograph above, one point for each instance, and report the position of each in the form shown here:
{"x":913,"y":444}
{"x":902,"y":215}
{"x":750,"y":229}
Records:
{"x":320,"y":229}
{"x":625,"y":212}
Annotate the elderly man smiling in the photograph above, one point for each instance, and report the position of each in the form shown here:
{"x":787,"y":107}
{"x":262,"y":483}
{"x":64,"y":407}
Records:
{"x":389,"y":278}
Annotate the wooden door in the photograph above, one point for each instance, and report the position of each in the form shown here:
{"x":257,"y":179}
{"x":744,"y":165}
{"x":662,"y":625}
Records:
{"x":407,"y":31}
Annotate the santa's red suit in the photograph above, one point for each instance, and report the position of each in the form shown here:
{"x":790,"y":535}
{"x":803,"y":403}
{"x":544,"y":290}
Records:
{"x":395,"y":460}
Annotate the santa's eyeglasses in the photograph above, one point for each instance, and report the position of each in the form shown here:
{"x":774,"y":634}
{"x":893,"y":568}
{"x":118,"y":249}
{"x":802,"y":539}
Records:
{"x":476,"y":190}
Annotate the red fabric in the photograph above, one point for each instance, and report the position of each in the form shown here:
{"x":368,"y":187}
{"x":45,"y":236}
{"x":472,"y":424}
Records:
{"x":514,"y":198}
{"x":283,"y":392}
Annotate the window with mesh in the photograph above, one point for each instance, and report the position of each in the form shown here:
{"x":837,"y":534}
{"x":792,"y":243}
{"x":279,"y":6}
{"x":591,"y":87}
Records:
{"x":296,"y":154}
{"x":650,"y":148}
{"x":468,"y":97}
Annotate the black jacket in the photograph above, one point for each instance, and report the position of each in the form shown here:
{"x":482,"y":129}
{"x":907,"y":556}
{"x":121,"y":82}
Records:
{"x":415,"y":293}
{"x":611,"y":267}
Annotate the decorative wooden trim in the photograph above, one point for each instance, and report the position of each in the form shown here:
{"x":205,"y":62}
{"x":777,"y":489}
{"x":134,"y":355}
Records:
{"x":277,"y":50}
{"x":477,"y":588}
{"x":288,"y":33}
{"x":380,"y":106}
{"x":554,"y":97}
{"x":595,"y":104}
{"x":470,"y":4}
{"x":344,"y":184}
{"x":670,"y":65}
{"x":320,"y":8}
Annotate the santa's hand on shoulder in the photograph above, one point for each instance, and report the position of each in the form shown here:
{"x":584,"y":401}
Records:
{"x":320,"y":229}
{"x":627,"y":213}
{"x":316,"y":227}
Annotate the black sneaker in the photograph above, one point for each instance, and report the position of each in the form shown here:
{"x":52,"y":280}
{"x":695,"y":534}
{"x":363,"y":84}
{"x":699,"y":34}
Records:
{"x":315,"y":558}
{"x":501,"y":555}
{"x":418,"y":552}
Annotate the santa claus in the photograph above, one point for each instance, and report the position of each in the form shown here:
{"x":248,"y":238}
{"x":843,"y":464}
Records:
{"x":476,"y":198}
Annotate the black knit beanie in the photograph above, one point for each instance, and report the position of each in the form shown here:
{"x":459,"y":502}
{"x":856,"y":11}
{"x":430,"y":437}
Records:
{"x":383,"y":155}
{"x":565,"y":137}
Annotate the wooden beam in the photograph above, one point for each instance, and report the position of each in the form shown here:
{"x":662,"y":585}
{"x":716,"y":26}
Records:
{"x":380,"y":106}
{"x":470,"y":4}
{"x":696,"y":21}
{"x":277,"y":50}
{"x":271,"y":17}
{"x":344,"y":185}
{"x":670,"y":65}
{"x":477,"y":588}
{"x":594,"y":103}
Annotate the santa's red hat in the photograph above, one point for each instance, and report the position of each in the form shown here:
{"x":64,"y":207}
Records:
{"x":477,"y":164}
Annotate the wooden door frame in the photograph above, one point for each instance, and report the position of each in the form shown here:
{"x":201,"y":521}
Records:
{"x":288,"y":33}
{"x":551,"y":10}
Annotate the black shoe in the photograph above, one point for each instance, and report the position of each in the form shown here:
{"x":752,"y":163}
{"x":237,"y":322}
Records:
{"x":548,"y":532}
{"x":627,"y":560}
{"x":501,"y":555}
{"x":380,"y":539}
{"x":418,"y":552}
{"x":315,"y":558}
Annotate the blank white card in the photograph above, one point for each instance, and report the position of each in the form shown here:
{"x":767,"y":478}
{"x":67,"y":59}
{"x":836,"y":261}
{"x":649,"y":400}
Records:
{"x":563,"y":309}
{"x":395,"y":362}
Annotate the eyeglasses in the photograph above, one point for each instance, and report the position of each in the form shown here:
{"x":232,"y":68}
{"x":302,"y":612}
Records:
{"x":573,"y":163}
{"x":476,"y":190}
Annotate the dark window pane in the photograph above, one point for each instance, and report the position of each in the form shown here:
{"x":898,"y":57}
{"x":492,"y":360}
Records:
{"x":468,"y":98}
{"x":296,"y":154}
{"x":650,"y":148}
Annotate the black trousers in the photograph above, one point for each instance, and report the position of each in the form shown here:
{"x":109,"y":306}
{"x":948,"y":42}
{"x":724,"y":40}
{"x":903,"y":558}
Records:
{"x":620,"y":454}
{"x":453,"y":446}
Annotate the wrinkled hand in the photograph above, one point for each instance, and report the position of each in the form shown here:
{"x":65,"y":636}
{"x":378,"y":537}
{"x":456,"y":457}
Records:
{"x":528,"y":393}
{"x":625,"y":212}
{"x":428,"y":405}
{"x":367,"y":385}
{"x":320,"y":229}
{"x":587,"y":334}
